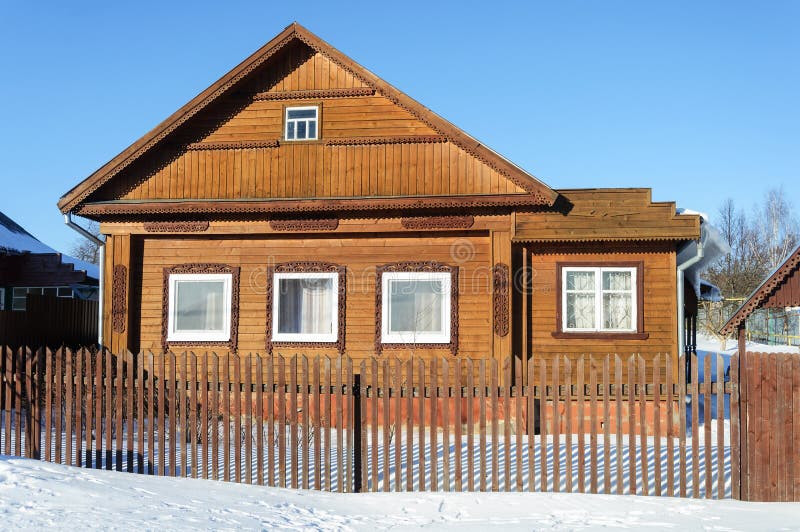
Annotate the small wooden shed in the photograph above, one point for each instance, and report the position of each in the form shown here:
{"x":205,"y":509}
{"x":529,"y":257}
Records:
{"x":780,"y":289}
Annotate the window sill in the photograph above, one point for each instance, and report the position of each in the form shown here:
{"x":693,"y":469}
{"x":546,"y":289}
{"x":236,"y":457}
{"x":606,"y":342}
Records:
{"x":600,"y":335}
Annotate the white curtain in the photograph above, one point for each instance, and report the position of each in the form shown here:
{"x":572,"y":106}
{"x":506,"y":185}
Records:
{"x":305,"y":306}
{"x":617,"y":300}
{"x":580,"y":300}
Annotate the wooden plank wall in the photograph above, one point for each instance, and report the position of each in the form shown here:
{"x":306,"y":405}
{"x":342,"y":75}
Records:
{"x":770,"y":430}
{"x":659,"y":298}
{"x":471,"y":252}
{"x":52,"y":321}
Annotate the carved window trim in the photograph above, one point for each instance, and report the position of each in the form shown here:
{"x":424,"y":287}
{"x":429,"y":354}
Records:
{"x":308,"y":267}
{"x":500,"y":293}
{"x":199,"y":269}
{"x":638,"y":334}
{"x":416,"y":266}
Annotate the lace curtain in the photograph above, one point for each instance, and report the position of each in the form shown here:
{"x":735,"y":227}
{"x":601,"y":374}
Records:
{"x":580,"y":300}
{"x":617,"y":300}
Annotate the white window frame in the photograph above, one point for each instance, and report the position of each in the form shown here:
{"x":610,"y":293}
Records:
{"x":305,"y":337}
{"x":295,"y":121}
{"x":415,"y":337}
{"x":598,"y":297}
{"x":222,"y":335}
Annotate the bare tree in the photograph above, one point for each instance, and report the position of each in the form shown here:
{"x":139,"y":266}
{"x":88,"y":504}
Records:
{"x":86,"y":250}
{"x":777,"y":229}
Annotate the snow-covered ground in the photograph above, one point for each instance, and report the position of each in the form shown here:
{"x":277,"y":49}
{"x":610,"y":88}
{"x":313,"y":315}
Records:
{"x":707,"y":343}
{"x":39,"y":495}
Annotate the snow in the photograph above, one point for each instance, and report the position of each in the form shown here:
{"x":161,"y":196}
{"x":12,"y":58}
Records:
{"x":15,"y":239}
{"x":35,"y":495}
{"x":707,"y":343}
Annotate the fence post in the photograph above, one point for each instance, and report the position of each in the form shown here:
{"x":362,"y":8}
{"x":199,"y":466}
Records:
{"x":357,"y":465}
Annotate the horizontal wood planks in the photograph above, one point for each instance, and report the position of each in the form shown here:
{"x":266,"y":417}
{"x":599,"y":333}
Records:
{"x":360,"y":256}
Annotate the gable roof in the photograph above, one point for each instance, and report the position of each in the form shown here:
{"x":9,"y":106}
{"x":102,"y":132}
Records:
{"x":538,"y":192}
{"x":15,"y":240}
{"x":761,"y":295}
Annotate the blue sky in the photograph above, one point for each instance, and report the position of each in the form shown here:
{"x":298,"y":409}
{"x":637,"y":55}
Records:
{"x":697,"y":100}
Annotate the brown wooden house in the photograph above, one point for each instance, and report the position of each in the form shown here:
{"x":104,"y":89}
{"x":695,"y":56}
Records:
{"x":302,"y":204}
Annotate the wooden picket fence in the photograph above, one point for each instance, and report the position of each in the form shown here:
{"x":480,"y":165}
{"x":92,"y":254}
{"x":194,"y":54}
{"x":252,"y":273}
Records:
{"x":379,"y":424}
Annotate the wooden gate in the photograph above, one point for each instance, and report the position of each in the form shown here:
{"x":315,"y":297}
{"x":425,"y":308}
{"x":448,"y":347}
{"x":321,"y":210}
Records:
{"x":770,"y":427}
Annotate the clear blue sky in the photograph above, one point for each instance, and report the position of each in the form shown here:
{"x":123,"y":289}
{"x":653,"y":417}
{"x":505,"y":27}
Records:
{"x":698,"y":100}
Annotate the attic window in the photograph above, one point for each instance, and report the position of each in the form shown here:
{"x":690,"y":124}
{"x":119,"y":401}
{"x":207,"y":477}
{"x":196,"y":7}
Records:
{"x":301,"y":123}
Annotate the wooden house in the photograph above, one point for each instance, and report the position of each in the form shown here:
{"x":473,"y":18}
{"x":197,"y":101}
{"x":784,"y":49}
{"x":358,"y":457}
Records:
{"x":302,"y":204}
{"x":779,"y":290}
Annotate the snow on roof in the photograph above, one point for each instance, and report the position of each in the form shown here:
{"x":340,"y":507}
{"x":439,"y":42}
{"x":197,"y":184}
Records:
{"x":15,"y":239}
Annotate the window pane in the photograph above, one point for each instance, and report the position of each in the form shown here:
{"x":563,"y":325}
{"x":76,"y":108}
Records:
{"x":20,"y":292}
{"x":199,"y":305}
{"x":290,"y":130}
{"x":415,"y":306}
{"x":18,"y":304}
{"x":580,"y":311}
{"x":617,"y":280}
{"x":301,"y":130}
{"x":578,"y":280}
{"x":302,"y":113}
{"x":312,"y":130}
{"x":305,"y":306}
{"x":50,"y":291}
{"x":617,"y":311}
{"x":64,"y":292}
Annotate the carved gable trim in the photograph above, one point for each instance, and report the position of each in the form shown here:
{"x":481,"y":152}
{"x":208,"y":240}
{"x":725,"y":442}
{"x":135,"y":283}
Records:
{"x":232,"y":343}
{"x":417,"y":266}
{"x":314,"y":94}
{"x":233,"y":145}
{"x":308,"y":267}
{"x":395,"y":139}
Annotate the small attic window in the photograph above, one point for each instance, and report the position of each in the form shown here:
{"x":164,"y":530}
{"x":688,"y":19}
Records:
{"x":301,"y":123}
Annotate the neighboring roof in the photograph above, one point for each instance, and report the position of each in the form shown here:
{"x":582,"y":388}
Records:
{"x":14,"y":239}
{"x":539,"y":192}
{"x":616,"y":214}
{"x":773,"y":283}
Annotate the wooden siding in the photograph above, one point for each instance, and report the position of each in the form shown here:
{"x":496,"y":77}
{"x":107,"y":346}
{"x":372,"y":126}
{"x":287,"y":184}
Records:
{"x":316,"y":170}
{"x":660,"y":301}
{"x":606,"y":214}
{"x":472,"y":253}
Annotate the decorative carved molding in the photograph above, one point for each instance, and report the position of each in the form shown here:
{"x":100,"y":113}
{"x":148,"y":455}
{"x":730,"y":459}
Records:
{"x":119,"y":298}
{"x":206,"y":207}
{"x":176,"y":227}
{"x":231,"y":344}
{"x":314,"y":94}
{"x":234,"y":145}
{"x":417,"y":266}
{"x":438,"y":222}
{"x":327,"y":224}
{"x":395,"y":139}
{"x":307,"y":267}
{"x":500,"y":291}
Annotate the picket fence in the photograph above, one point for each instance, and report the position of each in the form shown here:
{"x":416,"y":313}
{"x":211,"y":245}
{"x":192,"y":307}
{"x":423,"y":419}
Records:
{"x":380,"y":424}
